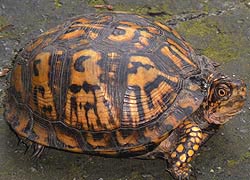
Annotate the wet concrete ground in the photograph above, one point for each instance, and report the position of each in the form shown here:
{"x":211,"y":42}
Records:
{"x":218,"y":29}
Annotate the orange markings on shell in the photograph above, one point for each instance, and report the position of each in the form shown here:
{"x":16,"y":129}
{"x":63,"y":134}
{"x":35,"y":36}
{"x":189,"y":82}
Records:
{"x":113,"y":55}
{"x":153,"y":30}
{"x":69,"y":140}
{"x":91,"y":76}
{"x":184,"y":57}
{"x":166,"y":52}
{"x":100,"y":142}
{"x":154,"y":135}
{"x":51,"y":31}
{"x":144,"y":41}
{"x":183,"y":51}
{"x":137,"y":149}
{"x":145,"y":34}
{"x":82,"y":20}
{"x":138,"y":45}
{"x":74,"y":34}
{"x":111,"y":153}
{"x":16,"y":80}
{"x":93,"y":35}
{"x":34,"y":45}
{"x":166,"y":28}
{"x":42,"y":134}
{"x":42,"y":80}
{"x":131,"y":139}
{"x":146,"y":76}
{"x":128,"y":36}
{"x":23,"y":120}
{"x":131,"y":24}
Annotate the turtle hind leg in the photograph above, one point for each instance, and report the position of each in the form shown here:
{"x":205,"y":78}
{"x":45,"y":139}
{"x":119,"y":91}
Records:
{"x":183,"y":152}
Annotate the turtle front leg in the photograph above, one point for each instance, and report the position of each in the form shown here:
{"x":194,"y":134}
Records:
{"x":188,"y":143}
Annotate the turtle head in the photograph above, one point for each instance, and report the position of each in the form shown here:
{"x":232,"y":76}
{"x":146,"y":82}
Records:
{"x":226,"y":97}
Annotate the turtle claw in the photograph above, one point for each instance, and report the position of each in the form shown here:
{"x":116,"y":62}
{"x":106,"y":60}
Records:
{"x":179,"y":174}
{"x":38,"y":150}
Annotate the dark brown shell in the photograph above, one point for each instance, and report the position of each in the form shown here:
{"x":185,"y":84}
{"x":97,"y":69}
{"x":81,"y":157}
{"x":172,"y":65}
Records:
{"x":112,"y":84}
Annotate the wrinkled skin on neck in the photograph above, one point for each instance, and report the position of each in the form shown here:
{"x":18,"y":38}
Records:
{"x":225,"y":98}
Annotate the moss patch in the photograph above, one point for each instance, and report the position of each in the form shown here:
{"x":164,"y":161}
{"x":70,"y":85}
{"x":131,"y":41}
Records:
{"x":57,"y":3}
{"x":245,"y":157}
{"x":209,"y":37}
{"x":95,"y":2}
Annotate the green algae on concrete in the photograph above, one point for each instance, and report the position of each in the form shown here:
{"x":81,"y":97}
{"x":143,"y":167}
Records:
{"x":95,"y":2}
{"x":245,"y":157}
{"x":209,"y":37}
{"x":57,"y":3}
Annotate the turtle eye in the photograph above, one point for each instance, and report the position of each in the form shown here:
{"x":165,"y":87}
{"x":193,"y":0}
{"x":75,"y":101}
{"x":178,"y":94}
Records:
{"x":222,"y":92}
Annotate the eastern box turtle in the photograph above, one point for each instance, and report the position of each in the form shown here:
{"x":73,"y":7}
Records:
{"x":119,"y":85}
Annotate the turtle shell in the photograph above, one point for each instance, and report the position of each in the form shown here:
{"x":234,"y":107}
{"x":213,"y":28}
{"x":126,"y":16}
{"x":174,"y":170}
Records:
{"x":110,"y":84}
